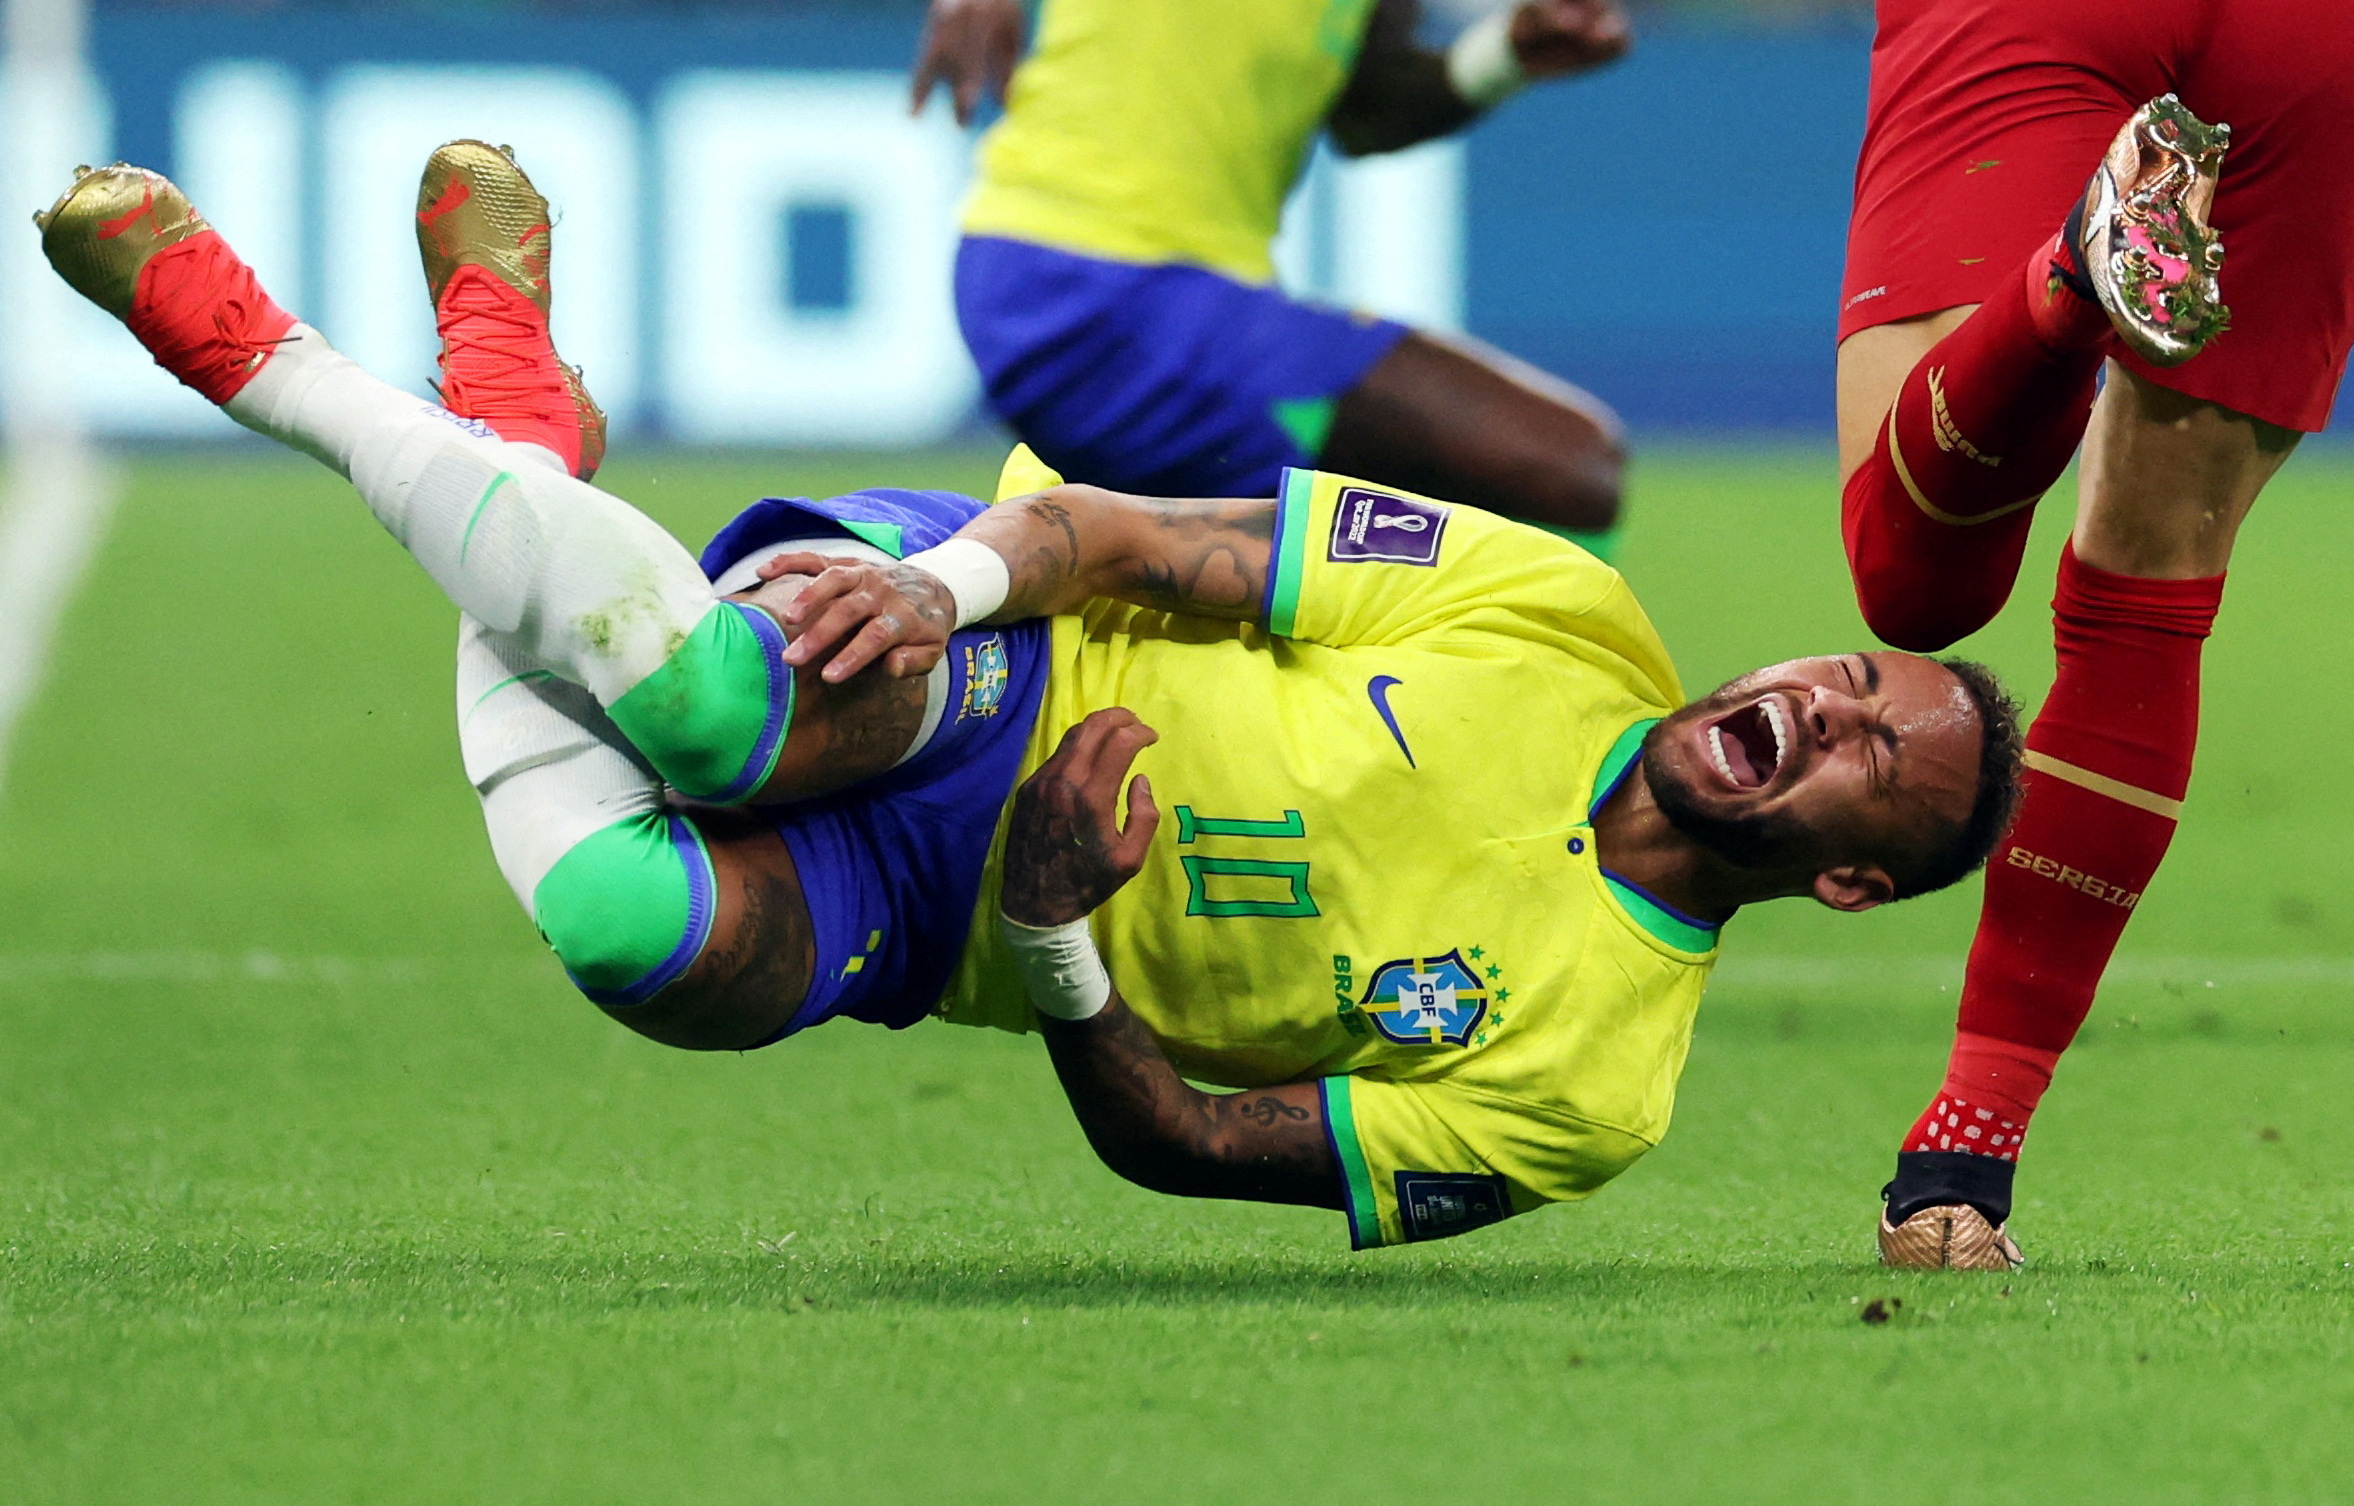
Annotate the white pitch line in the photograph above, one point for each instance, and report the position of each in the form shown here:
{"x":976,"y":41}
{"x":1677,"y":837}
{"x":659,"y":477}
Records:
{"x":53,"y":514}
{"x":58,"y":495}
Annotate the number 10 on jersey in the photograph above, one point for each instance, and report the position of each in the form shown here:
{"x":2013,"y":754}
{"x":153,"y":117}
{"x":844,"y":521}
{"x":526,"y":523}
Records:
{"x":1221,"y":887}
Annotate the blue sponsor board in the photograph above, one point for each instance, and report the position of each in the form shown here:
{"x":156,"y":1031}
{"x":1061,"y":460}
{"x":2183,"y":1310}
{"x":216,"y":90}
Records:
{"x":756,"y":236}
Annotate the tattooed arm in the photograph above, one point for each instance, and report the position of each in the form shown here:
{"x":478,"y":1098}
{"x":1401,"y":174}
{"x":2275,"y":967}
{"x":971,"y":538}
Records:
{"x":1067,"y":545}
{"x":1151,"y":1126}
{"x":1062,"y":548}
{"x":1065,"y":855}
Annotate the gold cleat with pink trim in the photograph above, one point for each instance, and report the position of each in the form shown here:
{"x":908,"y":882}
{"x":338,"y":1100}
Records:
{"x":2143,"y":238}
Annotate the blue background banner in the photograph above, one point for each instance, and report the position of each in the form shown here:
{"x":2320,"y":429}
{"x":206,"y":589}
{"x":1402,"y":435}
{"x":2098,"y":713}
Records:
{"x":1667,"y":233}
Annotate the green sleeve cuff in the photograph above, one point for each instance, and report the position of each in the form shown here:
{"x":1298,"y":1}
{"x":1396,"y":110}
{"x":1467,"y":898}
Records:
{"x":1287,"y":554}
{"x":1340,"y":1131}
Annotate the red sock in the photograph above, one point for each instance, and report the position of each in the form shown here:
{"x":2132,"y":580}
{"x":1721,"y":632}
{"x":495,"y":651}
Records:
{"x":2109,"y":759}
{"x":1936,"y":520}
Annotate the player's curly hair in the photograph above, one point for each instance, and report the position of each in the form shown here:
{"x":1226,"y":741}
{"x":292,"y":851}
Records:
{"x":2002,"y":755}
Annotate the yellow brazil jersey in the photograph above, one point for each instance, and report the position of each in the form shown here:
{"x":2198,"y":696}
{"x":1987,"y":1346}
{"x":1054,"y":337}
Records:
{"x":1164,"y":130}
{"x":1375,"y":865}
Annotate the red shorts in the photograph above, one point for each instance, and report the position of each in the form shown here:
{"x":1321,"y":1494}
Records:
{"x":1987,"y":117}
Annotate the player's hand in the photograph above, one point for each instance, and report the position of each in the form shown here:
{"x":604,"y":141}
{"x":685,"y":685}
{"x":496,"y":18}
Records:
{"x":1553,"y":38}
{"x":863,"y":612}
{"x":971,"y":46}
{"x":1065,"y":853}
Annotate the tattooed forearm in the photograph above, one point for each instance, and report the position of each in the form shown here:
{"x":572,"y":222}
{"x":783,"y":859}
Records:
{"x":1207,"y":558}
{"x":1159,"y":1131}
{"x":1066,"y":546}
{"x":1267,"y":1110}
{"x":1048,"y":510}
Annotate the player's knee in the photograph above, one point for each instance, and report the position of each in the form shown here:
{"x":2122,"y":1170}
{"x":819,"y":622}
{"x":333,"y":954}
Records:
{"x":1577,"y":484}
{"x":1904,"y":615}
{"x":713,"y":717}
{"x":629,"y":909}
{"x":1916,"y":631}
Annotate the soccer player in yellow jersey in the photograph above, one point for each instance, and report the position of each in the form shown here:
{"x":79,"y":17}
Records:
{"x":1425,"y":852}
{"x":1114,"y":283}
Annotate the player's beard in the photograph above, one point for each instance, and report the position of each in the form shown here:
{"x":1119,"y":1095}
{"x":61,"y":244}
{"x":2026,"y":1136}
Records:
{"x":1752,"y":839}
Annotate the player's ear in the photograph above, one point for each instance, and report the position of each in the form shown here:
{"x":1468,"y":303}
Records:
{"x":1854,"y":887}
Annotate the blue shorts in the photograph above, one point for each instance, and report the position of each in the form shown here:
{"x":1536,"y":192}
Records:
{"x":1171,"y":381}
{"x":891,"y":868}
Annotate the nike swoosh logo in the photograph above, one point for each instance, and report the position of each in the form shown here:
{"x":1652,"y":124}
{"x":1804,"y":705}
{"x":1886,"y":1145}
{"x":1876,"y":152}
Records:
{"x":1377,"y":690}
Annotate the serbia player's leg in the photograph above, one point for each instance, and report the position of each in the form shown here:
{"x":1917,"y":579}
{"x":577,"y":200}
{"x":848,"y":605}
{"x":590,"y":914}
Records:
{"x":1941,"y":477}
{"x":2174,"y":457}
{"x":1178,"y":381}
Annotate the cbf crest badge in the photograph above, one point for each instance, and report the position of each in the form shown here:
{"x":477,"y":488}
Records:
{"x":986,"y":671}
{"x":1426,"y":1001}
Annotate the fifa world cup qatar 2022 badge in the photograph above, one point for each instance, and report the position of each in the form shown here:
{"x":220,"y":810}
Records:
{"x":1371,"y":525}
{"x":986,"y":671}
{"x":1453,"y":999}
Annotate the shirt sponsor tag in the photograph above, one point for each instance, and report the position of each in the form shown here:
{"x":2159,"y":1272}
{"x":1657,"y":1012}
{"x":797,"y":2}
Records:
{"x":1435,"y":1204}
{"x":1371,"y":525}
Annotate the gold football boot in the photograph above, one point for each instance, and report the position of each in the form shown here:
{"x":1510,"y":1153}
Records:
{"x":1954,"y":1237}
{"x":2144,"y":239}
{"x":102,"y":231}
{"x":484,"y":234}
{"x":130,"y":242}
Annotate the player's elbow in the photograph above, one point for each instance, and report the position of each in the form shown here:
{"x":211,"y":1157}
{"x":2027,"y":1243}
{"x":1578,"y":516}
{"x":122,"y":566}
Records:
{"x":1167,"y":1164}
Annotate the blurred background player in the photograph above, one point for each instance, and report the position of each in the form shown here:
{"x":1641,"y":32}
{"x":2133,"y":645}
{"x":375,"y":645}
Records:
{"x":1115,"y":281}
{"x":1516,"y":912}
{"x":1979,"y":314}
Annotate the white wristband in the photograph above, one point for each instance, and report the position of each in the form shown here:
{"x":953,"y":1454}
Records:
{"x":1059,"y":967}
{"x":974,"y":574}
{"x":1481,"y":65}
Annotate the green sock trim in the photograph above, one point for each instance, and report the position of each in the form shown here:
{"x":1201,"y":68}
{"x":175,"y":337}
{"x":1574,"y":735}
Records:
{"x":528,"y":677}
{"x":466,"y":541}
{"x":712,"y":719}
{"x":629,"y":908}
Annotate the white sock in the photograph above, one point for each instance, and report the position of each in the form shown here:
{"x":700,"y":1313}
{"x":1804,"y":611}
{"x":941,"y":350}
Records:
{"x":550,"y":767}
{"x":586,"y":584}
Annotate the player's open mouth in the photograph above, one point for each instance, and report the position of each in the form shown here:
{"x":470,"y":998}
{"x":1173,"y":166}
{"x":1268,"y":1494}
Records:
{"x":1747,"y":746}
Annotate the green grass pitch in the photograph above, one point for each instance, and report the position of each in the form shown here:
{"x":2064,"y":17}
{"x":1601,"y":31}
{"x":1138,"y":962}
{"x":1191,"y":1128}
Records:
{"x":317,"y":1184}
